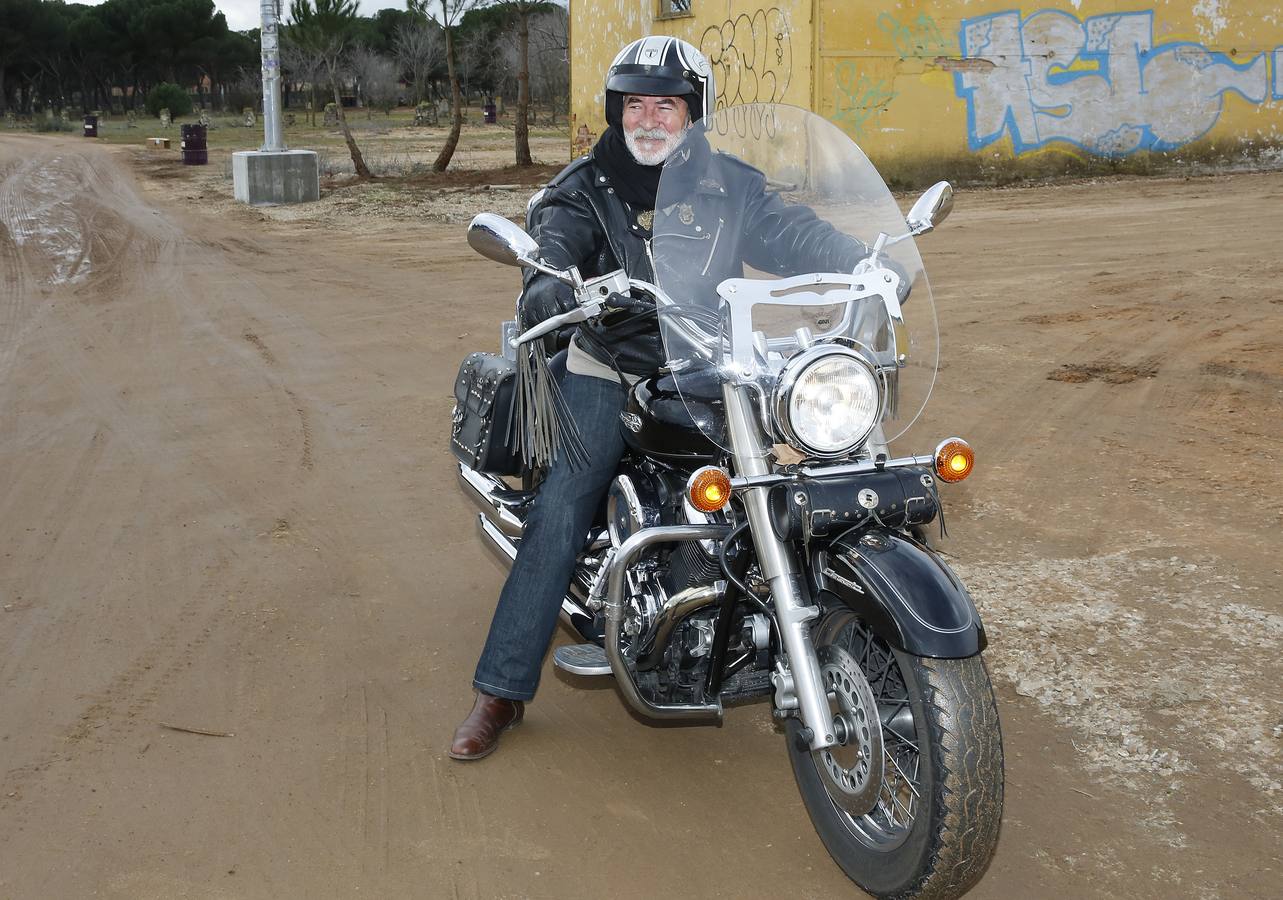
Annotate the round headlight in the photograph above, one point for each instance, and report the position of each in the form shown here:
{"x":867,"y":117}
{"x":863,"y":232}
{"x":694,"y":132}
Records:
{"x":827,"y":400}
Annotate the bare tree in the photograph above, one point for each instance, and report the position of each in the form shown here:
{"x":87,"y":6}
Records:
{"x":376,"y":77}
{"x":326,"y":27}
{"x":420,"y":47}
{"x":448,"y":14}
{"x":248,"y":83}
{"x":521,"y":11}
{"x":550,"y":59}
{"x":474,"y":61}
{"x":306,"y":66}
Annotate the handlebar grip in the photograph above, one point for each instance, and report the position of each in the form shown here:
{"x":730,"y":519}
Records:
{"x":572,"y":317}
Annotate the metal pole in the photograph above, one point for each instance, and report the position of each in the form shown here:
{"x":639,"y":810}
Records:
{"x":272,"y":136}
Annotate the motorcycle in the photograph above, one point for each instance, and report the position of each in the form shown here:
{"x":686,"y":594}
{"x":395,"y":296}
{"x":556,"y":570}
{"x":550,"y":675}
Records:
{"x":760,"y":538}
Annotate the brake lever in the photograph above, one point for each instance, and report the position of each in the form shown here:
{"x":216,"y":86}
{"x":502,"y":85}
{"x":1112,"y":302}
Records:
{"x":591,"y":295}
{"x":590,"y":310}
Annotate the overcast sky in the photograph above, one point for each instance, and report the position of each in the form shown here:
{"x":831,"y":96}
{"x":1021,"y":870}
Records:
{"x":242,"y":15}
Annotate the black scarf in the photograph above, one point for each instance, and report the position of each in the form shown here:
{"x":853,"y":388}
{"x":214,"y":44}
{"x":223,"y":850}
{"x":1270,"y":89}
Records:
{"x":635,"y":184}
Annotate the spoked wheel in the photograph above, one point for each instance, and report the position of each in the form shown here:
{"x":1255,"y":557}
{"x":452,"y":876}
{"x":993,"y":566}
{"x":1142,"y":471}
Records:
{"x":909,"y":801}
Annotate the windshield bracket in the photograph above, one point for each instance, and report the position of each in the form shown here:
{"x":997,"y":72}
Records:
{"x":741,"y":295}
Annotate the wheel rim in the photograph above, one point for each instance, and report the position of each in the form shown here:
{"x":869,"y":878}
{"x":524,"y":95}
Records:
{"x":887,"y":824}
{"x":851,"y":770}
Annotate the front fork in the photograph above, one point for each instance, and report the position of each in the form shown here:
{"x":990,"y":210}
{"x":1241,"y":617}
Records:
{"x":793,"y":613}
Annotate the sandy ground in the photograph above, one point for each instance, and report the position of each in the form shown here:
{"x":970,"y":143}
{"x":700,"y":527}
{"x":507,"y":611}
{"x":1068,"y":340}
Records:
{"x":227,"y":505}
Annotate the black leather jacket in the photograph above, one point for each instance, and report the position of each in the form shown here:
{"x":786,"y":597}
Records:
{"x":732,"y":220}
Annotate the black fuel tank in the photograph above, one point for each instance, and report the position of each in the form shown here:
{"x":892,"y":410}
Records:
{"x":658,"y":420}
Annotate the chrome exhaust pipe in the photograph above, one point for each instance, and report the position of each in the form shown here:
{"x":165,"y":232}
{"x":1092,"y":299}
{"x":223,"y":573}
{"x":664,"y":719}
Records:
{"x":678,"y":607}
{"x":488,"y":493}
{"x":623,"y":558}
{"x":574,"y":616}
{"x":497,"y":539}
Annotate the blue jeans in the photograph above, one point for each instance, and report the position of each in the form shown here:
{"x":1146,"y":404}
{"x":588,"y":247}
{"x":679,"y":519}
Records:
{"x":555,"y":531}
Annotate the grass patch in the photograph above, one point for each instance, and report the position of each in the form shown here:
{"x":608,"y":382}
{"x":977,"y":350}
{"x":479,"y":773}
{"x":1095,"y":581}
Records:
{"x":56,"y":124}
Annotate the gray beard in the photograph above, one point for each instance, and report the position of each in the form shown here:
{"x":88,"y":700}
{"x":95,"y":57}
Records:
{"x":656,"y":158}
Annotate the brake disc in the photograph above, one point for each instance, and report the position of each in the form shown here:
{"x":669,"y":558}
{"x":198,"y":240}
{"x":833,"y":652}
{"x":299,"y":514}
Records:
{"x":851,"y":769}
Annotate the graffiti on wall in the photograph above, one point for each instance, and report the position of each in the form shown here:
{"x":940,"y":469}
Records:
{"x":1277,"y":69}
{"x":858,"y":98}
{"x":1099,"y":84}
{"x":745,"y":121}
{"x":751,"y":56}
{"x":918,"y":37}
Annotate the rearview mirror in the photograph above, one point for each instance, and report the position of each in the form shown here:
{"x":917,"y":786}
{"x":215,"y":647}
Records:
{"x":494,"y":237}
{"x":932,"y":208}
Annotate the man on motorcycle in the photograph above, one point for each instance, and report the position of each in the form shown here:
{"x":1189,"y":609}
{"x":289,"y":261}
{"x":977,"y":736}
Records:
{"x":598,"y":215}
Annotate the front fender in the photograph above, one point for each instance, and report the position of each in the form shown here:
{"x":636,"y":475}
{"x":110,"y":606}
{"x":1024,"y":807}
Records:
{"x":905,"y":593}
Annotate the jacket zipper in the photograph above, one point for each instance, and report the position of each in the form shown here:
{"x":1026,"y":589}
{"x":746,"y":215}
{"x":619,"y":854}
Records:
{"x":713,"y":251}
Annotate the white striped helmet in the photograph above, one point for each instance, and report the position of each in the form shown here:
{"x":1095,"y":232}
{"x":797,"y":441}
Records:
{"x":659,"y":66}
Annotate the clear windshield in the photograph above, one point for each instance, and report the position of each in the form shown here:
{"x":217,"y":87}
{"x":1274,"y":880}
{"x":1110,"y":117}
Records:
{"x":761,"y":219}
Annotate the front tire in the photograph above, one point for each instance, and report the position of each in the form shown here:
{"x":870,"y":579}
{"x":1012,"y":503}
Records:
{"x":935,"y":823}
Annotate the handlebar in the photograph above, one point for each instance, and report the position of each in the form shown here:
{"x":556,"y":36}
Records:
{"x":590,"y":297}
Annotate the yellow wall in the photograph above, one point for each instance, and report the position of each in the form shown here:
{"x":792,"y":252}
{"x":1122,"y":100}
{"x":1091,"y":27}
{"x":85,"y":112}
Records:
{"x":981,"y":79}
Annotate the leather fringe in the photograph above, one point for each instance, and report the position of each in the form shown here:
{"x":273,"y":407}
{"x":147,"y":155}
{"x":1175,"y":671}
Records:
{"x":545,"y":422}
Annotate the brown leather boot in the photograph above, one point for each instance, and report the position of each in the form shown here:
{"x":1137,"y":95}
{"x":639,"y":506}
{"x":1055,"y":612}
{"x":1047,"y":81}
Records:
{"x":478,"y":736}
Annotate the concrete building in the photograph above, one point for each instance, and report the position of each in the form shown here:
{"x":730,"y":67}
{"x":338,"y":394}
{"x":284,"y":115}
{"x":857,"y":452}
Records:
{"x":926,"y":88}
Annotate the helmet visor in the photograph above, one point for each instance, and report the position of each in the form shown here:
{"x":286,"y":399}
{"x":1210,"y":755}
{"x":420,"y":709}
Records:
{"x":649,"y":81}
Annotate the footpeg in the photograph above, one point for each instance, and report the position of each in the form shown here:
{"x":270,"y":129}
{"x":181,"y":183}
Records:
{"x":581,"y":659}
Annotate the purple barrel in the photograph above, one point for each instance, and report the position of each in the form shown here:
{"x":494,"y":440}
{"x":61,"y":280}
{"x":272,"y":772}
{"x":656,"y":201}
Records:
{"x":195,"y":150}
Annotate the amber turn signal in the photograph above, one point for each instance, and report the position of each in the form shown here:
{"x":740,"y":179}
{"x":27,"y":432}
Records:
{"x":709,"y":489}
{"x":954,"y":459}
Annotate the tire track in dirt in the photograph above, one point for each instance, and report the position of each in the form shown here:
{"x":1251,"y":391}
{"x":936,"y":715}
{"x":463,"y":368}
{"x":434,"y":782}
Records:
{"x":144,"y":276}
{"x":38,"y":207}
{"x":305,"y":425}
{"x":138,"y":684}
{"x":65,"y":493}
{"x":119,"y":705}
{"x":16,"y":301}
{"x":364,"y":781}
{"x":144,"y":263}
{"x":362,"y":772}
{"x":62,"y":223}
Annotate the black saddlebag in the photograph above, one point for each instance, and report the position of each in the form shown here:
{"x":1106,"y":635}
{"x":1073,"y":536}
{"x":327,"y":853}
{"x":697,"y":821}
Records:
{"x":482,"y":435}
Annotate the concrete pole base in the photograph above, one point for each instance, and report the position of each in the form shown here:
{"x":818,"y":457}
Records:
{"x":280,"y":176}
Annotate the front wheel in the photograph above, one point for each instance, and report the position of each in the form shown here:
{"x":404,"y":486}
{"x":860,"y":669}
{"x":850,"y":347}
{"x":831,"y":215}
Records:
{"x":910,"y":809}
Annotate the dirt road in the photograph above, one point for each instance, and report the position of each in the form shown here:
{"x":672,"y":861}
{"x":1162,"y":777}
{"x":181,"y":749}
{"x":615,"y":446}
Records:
{"x":226,"y":504}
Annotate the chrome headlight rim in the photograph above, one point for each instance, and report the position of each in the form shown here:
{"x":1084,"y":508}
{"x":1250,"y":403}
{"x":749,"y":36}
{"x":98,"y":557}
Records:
{"x":788,"y":379}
